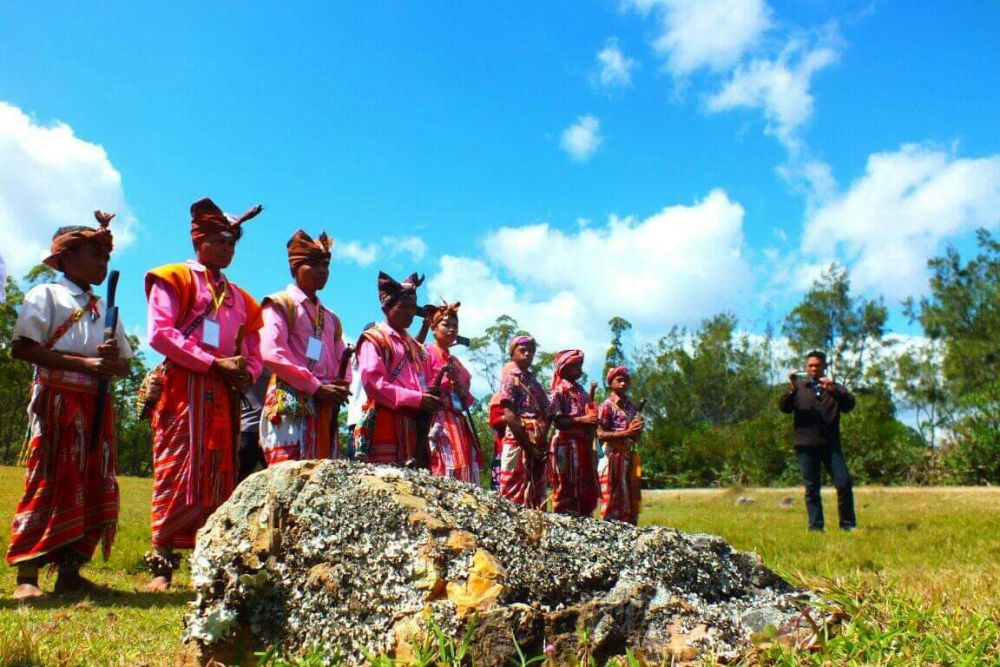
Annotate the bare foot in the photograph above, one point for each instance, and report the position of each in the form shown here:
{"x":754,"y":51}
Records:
{"x":158,"y":585}
{"x":74,"y":582}
{"x":28,"y":592}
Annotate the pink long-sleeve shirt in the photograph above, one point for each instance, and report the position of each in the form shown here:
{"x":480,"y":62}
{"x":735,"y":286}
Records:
{"x":167,"y":323}
{"x":398,"y":387}
{"x":285,"y":350}
{"x":456,"y":398}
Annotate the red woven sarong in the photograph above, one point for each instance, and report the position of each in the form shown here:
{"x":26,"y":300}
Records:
{"x":522,"y":478}
{"x":454,"y":452}
{"x":386,"y":436}
{"x":70,"y":496}
{"x":619,"y":500}
{"x":572,"y":474}
{"x":193,"y":454}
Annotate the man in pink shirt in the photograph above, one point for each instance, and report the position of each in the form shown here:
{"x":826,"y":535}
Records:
{"x":394,"y":373}
{"x":302,"y":344}
{"x":208,"y":330}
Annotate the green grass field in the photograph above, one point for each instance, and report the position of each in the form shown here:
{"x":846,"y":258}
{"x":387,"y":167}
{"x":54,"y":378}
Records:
{"x":918,"y":579}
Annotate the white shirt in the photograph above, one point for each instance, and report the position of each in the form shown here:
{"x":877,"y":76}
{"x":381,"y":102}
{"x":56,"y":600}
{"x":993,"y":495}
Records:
{"x":356,"y":404}
{"x":45,"y":309}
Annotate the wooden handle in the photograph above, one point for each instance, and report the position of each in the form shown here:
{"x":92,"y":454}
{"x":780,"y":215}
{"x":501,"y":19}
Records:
{"x":345,"y":358}
{"x":436,"y":386}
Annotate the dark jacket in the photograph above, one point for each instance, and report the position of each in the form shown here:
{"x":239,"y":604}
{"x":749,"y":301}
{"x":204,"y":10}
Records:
{"x":817,"y":420}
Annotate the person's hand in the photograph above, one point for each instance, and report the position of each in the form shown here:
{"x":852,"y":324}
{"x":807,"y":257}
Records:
{"x":343,"y":389}
{"x":429,"y":311}
{"x":430,"y":403}
{"x":828,"y":384}
{"x":588,"y":419}
{"x":233,"y":371}
{"x":334,"y":393}
{"x":635,"y":426}
{"x":109,"y":350}
{"x":791,"y":378}
{"x":452,"y":374}
{"x":102,"y":367}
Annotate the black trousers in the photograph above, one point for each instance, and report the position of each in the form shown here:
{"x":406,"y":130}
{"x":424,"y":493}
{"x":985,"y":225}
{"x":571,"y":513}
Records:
{"x":811,"y":462}
{"x":251,"y":454}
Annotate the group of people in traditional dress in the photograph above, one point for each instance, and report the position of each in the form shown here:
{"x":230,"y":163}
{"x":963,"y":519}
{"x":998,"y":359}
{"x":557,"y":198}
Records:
{"x":217,"y":342}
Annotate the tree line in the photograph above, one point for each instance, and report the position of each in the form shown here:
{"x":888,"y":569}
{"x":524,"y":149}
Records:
{"x":710,"y":392}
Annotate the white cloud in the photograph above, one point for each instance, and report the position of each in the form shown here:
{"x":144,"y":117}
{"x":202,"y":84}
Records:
{"x":780,"y":87}
{"x":615,"y":68}
{"x":677,"y":266}
{"x":362,"y":254}
{"x":663,"y":269}
{"x":365,"y":254}
{"x":414,"y":246}
{"x":50,"y":178}
{"x":557,"y":321}
{"x":582,"y":139}
{"x":705,"y":33}
{"x":898,"y":214}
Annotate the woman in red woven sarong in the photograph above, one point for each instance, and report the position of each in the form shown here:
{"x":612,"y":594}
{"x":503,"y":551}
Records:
{"x":572,"y":469}
{"x":453,"y":450}
{"x":525,"y":406}
{"x":619,"y":426}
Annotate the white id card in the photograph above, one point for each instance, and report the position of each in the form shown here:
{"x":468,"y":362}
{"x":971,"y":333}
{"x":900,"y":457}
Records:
{"x":314,"y":349}
{"x":210,"y":333}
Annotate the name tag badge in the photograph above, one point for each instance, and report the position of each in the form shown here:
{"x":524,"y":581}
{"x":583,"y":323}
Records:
{"x":314,"y":350}
{"x":210,"y":333}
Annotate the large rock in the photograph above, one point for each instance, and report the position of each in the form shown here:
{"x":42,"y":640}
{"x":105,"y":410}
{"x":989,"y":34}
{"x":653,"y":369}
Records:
{"x":357,"y":558}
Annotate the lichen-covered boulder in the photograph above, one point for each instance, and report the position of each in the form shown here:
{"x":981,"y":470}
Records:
{"x":358,"y":558}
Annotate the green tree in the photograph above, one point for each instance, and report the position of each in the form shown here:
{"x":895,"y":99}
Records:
{"x":830,"y":319}
{"x":615,"y":356}
{"x":133,"y":436}
{"x":38,"y":274}
{"x":15,"y":379}
{"x":919,"y":386}
{"x":881,"y":449}
{"x":963,"y":311}
{"x":701,"y":391}
{"x":488,"y":352}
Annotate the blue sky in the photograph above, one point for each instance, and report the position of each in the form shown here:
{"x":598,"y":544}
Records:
{"x":563,"y":162}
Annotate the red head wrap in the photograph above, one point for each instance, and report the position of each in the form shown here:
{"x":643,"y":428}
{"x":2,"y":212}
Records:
{"x":303,"y":250}
{"x":444,"y":312}
{"x":207,"y":219}
{"x":518,"y":341}
{"x":390,"y":291}
{"x":80,"y":235}
{"x":615,"y":372}
{"x":563,"y":360}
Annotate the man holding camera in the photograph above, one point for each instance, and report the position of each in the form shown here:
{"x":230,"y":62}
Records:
{"x":817,"y":402}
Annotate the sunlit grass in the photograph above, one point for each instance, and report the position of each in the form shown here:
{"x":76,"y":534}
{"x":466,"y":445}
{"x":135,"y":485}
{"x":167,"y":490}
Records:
{"x":918,"y":578}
